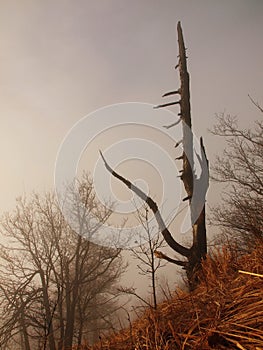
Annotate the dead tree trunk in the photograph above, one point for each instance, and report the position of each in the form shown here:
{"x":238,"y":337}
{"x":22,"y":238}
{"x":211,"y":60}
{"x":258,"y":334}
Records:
{"x":195,"y":188}
{"x":195,"y":196}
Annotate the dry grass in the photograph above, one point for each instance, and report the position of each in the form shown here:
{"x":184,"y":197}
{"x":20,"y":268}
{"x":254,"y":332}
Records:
{"x":224,"y":312}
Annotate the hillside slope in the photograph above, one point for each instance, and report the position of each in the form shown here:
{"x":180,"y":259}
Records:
{"x":224,"y":312}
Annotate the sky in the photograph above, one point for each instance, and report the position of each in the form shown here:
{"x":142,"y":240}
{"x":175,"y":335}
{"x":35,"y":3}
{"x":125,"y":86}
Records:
{"x":62,"y":60}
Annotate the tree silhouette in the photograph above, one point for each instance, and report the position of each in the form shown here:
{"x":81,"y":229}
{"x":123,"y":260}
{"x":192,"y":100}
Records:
{"x":195,"y":188}
{"x":240,"y":169}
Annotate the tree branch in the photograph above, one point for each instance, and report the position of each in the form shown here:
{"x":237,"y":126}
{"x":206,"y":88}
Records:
{"x":167,"y":104}
{"x":161,"y":255}
{"x":154,"y":208}
{"x":173,"y":124}
{"x":172,"y":93}
{"x":255,"y":103}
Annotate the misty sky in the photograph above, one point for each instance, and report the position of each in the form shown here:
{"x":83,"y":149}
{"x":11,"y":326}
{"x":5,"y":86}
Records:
{"x":60,"y":60}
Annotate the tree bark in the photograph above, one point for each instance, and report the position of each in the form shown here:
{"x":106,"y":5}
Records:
{"x":24,"y":335}
{"x":72,"y":295}
{"x":49,"y":321}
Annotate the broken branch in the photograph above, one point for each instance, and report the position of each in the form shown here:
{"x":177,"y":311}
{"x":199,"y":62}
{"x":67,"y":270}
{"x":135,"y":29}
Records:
{"x":171,"y":93}
{"x":167,"y":104}
{"x":171,"y":125}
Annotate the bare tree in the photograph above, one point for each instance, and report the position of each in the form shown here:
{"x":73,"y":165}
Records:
{"x":51,"y":275}
{"x":196,"y":188}
{"x":146,"y":254}
{"x":240,"y":169}
{"x":25,"y":261}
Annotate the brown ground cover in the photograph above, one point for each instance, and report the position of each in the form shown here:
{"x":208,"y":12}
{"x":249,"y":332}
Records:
{"x":224,"y":312}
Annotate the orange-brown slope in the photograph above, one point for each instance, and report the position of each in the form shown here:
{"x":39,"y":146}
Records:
{"x":224,"y":312}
